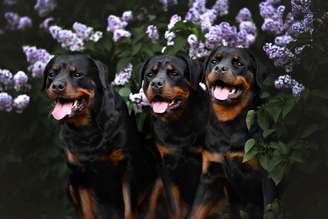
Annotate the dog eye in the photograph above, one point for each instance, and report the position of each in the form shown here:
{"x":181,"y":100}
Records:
{"x":213,"y":61}
{"x":149,"y":75}
{"x":239,"y":64}
{"x":51,"y":75}
{"x":174,"y":74}
{"x":77,"y":75}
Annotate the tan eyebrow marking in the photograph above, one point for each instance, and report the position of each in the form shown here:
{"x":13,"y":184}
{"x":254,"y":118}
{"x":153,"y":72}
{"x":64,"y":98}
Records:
{"x":155,"y":67}
{"x":169,"y":67}
{"x":56,"y":67}
{"x":72,"y":68}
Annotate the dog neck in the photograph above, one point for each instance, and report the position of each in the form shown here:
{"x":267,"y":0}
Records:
{"x":190,"y":125}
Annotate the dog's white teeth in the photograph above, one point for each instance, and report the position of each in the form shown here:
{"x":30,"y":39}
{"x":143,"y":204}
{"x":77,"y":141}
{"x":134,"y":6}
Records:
{"x":75,"y":103}
{"x":232,"y":90}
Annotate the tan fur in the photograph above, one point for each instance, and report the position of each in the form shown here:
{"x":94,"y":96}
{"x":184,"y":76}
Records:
{"x":87,"y":203}
{"x":154,"y":199}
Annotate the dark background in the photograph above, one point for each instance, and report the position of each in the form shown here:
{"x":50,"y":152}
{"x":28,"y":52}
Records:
{"x":32,"y":169}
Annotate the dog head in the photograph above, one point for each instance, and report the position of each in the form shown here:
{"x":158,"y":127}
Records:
{"x":73,"y":82}
{"x":168,"y":82}
{"x":232,"y":75}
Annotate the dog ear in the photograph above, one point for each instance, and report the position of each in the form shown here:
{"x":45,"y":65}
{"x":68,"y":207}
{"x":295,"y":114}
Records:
{"x":194,"y":70}
{"x":258,"y":68}
{"x":45,"y":73}
{"x":102,"y":74}
{"x":141,"y":72}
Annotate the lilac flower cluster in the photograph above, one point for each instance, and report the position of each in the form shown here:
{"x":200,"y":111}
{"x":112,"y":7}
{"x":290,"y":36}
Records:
{"x":16,"y":22}
{"x":74,"y":41}
{"x":18,"y":104}
{"x":5,"y":102}
{"x":152,"y":32}
{"x":139,"y":98}
{"x":199,"y":14}
{"x":117,"y":25}
{"x":169,"y":35}
{"x":286,"y":27}
{"x":44,"y":7}
{"x":123,"y":76}
{"x":167,"y":3}
{"x":45,"y":24}
{"x":37,"y":58}
{"x":196,"y":49}
{"x":21,"y":102}
{"x":5,"y":78}
{"x":225,"y":34}
{"x":20,"y":80}
{"x":286,"y":82}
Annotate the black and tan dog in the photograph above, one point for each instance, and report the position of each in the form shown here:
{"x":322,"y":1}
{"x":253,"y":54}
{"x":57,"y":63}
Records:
{"x":180,"y":109}
{"x":233,"y":78}
{"x":110,"y":170}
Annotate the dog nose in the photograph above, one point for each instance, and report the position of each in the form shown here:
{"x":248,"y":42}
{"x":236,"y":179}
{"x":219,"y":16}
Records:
{"x":58,"y":86}
{"x":219,"y":68}
{"x":157,"y":84}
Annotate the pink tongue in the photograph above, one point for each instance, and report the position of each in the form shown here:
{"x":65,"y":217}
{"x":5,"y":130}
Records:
{"x":221,"y":93}
{"x":61,"y":110}
{"x":159,"y":107}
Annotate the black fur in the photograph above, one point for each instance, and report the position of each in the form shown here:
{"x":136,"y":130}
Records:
{"x":109,"y":128}
{"x":185,"y":133}
{"x":247,"y":187}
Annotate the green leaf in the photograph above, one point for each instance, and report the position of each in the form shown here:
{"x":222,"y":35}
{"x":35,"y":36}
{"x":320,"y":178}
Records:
{"x":250,"y":150}
{"x":249,"y":144}
{"x":267,"y":132}
{"x":274,"y":111}
{"x":289,"y":105}
{"x":136,"y":48}
{"x":263,"y":120}
{"x":250,"y":119}
{"x":278,"y":172}
{"x":124,"y":91}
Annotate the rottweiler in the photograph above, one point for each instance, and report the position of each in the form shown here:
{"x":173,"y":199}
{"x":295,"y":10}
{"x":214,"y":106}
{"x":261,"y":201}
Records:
{"x":180,"y":113}
{"x":110,"y":170}
{"x":233,"y":77}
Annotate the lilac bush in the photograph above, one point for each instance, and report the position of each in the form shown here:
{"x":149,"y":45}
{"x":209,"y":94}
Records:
{"x":123,"y":76}
{"x":44,"y":7}
{"x":16,"y":22}
{"x":117,"y":25}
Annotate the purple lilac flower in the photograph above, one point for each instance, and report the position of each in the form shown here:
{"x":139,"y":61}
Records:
{"x":196,"y":49}
{"x":44,"y":7}
{"x":207,"y":19}
{"x":198,"y":8}
{"x":167,"y":3}
{"x":115,"y":23}
{"x":287,"y":82}
{"x":67,"y":38}
{"x":152,"y":32}
{"x":15,"y":22}
{"x":281,"y":55}
{"x":20,"y":80}
{"x":127,"y":16}
{"x":139,"y":98}
{"x":244,"y":15}
{"x":169,"y":36}
{"x":24,"y":23}
{"x":120,"y":33}
{"x":174,"y":19}
{"x":6,"y":102}
{"x":273,"y":26}
{"x":5,"y":77}
{"x":283,"y":40}
{"x":221,"y":7}
{"x":74,"y":41}
{"x":123,"y":76}
{"x":46,"y":23}
{"x":21,"y":102}
{"x":86,"y":33}
{"x":37,"y":58}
